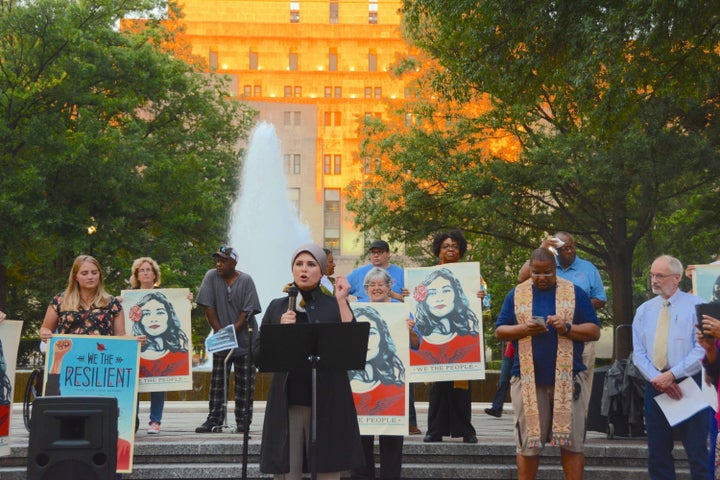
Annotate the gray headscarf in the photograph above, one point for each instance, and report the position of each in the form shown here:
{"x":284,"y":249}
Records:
{"x":317,"y":252}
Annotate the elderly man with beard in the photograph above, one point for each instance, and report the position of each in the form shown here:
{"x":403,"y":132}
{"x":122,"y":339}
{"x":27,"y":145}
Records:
{"x":548,"y":319}
{"x":666,"y":351}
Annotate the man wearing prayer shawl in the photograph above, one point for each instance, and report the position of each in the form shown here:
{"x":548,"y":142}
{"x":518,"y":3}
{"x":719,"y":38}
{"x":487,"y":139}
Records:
{"x":548,"y":319}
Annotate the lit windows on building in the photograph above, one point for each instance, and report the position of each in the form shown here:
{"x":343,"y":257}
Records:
{"x":257,"y":91}
{"x":293,"y":60}
{"x":331,"y":210}
{"x":373,"y":12}
{"x":370,"y":91}
{"x":213,"y":60}
{"x":333,"y":91}
{"x":333,"y":60}
{"x":253,"y":60}
{"x":334,"y":12}
{"x":294,"y":12}
{"x":331,"y":119}
{"x":372,"y":60}
{"x":332,"y":164}
{"x":290,"y":91}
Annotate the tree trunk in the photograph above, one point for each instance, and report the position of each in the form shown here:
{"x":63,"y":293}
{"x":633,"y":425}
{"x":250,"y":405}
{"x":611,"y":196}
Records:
{"x":620,"y":273}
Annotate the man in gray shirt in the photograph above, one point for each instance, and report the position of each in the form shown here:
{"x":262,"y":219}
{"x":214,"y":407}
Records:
{"x":229,"y":298}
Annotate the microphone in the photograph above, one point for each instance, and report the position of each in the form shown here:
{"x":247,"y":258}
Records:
{"x":292,"y":297}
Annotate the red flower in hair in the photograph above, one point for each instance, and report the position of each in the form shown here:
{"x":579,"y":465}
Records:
{"x":136,"y":313}
{"x":420,"y":293}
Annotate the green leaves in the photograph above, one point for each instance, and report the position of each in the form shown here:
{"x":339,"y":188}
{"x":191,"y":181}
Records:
{"x":594,"y":117}
{"x":110,"y":129}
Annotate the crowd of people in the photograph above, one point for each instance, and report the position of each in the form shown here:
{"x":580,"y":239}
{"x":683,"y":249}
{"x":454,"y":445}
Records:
{"x":548,"y":322}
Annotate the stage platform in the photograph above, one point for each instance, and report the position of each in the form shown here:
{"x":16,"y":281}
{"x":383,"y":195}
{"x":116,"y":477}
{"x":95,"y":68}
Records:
{"x":180,"y":453}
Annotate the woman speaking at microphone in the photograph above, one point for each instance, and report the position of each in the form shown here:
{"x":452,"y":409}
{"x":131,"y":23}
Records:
{"x":286,"y":429}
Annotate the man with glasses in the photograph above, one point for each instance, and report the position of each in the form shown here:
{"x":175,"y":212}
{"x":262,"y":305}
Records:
{"x":665,"y":350}
{"x":379,"y":257}
{"x":229,"y":298}
{"x":583,"y":274}
{"x":548,"y":319}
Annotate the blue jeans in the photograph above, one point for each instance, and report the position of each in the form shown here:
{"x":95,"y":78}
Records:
{"x":157,"y":402}
{"x":693,"y":432}
{"x":503,"y":384}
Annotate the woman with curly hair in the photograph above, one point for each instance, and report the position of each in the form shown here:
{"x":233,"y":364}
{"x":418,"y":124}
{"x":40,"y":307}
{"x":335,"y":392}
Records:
{"x":452,"y":336}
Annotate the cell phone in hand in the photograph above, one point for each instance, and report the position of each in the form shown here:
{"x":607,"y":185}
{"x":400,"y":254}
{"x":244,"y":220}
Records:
{"x":709,"y":309}
{"x":539,"y":319}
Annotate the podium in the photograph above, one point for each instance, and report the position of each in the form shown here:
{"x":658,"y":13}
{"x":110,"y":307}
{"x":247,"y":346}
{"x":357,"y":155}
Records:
{"x":315,"y":347}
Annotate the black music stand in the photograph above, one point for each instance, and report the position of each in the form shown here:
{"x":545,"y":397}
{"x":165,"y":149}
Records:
{"x":313,"y":346}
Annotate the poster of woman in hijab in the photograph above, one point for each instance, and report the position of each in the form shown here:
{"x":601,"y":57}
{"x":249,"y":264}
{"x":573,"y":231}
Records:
{"x":163,"y":316}
{"x":448,"y":314}
{"x":380,"y":390}
{"x":706,"y":282}
{"x":9,"y":341}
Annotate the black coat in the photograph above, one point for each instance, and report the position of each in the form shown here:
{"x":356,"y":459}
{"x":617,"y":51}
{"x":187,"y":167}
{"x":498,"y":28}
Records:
{"x":338,"y":435}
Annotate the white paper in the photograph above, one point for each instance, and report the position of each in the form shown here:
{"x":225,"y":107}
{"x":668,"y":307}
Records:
{"x":221,"y":340}
{"x":709,"y":392}
{"x":692,"y":401}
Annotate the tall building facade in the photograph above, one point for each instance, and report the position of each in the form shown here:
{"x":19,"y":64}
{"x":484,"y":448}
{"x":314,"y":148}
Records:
{"x":314,"y":69}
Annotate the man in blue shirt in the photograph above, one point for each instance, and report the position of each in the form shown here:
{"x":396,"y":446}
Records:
{"x":583,"y":274}
{"x":548,"y":319}
{"x":379,"y":257}
{"x":665,"y":350}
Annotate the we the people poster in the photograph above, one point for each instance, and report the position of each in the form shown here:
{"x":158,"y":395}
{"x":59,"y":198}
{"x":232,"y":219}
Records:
{"x":443,"y":301}
{"x":90,"y":365}
{"x":9,"y":341}
{"x":380,"y":390}
{"x":163,"y":316}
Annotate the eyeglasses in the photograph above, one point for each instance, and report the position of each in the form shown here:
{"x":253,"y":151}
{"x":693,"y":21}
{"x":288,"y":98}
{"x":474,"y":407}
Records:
{"x":660,"y":276}
{"x":375,"y":285}
{"x":377,"y":252}
{"x":542,"y":274}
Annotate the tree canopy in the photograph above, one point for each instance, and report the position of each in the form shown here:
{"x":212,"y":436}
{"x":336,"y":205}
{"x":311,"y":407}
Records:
{"x":595,"y":117}
{"x":113,"y":143}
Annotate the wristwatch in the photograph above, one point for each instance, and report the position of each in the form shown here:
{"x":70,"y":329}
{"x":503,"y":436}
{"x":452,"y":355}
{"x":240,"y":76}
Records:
{"x":568,"y":327}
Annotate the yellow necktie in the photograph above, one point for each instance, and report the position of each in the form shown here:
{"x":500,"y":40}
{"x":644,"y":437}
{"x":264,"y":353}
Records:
{"x":661,"y":338}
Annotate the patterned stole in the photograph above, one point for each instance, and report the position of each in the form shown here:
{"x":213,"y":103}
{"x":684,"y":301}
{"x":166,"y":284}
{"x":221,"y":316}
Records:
{"x":562,"y":400}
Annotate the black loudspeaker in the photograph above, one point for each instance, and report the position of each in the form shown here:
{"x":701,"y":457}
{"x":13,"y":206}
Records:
{"x":73,"y":438}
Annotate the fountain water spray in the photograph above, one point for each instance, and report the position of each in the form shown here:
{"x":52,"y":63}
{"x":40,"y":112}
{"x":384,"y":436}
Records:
{"x":265,"y":227}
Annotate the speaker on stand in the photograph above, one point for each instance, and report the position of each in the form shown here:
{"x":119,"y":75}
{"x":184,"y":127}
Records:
{"x":73,"y":438}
